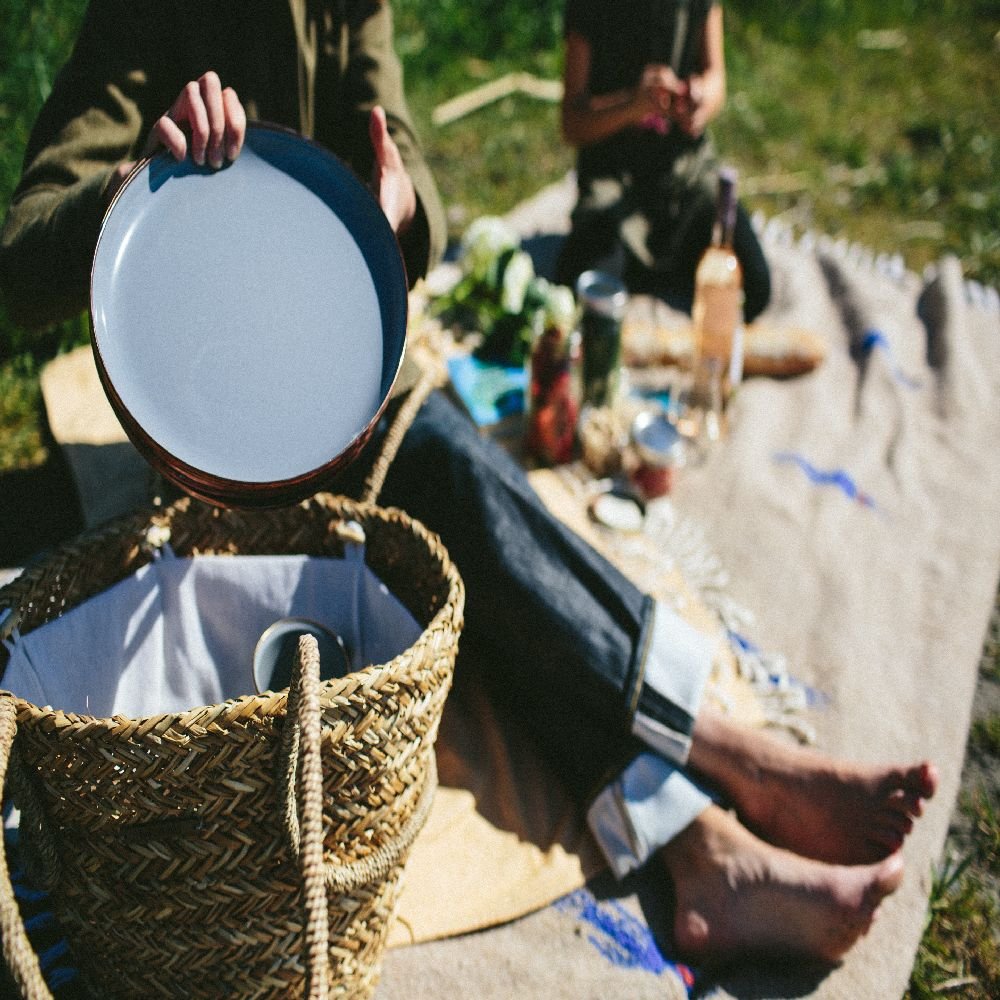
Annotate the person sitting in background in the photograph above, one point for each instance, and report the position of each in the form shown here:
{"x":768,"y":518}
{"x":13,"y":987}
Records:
{"x":607,"y":680}
{"x":642,"y":81}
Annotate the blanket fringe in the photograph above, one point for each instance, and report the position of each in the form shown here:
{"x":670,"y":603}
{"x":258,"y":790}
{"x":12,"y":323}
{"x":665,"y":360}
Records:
{"x":784,"y":700}
{"x":776,"y":232}
{"x":671,"y":543}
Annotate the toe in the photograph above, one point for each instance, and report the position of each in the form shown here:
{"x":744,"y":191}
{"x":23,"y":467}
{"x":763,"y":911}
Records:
{"x":928,"y":779}
{"x":889,"y":836}
{"x":886,"y":878}
{"x":907,"y":803}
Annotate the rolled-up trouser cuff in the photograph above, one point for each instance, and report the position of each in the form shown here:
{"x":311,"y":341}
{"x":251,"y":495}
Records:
{"x":642,"y":810}
{"x":669,"y":683}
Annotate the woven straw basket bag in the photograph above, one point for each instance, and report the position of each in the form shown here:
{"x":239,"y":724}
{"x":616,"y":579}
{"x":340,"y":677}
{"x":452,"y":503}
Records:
{"x":252,"y":848}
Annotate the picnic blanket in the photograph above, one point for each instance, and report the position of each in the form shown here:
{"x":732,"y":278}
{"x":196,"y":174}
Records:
{"x":856,"y":514}
{"x":847,"y":535}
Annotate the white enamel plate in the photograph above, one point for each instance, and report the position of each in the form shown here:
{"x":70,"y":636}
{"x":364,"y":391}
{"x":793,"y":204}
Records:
{"x":248,"y":323}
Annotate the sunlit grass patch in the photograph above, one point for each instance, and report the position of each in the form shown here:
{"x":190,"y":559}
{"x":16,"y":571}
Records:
{"x":984,"y":737}
{"x":959,"y":954}
{"x":19,"y":402}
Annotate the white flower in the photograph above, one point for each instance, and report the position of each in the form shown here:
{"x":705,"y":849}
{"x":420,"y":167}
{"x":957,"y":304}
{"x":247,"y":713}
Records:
{"x":486,"y":239}
{"x":560,"y":307}
{"x":517,"y":276}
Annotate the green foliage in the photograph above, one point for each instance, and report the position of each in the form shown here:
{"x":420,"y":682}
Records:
{"x":19,"y":401}
{"x":435,"y":36}
{"x":913,"y":171}
{"x":36,"y":39}
{"x":810,"y":22}
{"x":984,"y":811}
{"x":985,"y":736}
{"x":959,"y":955}
{"x":499,"y":295}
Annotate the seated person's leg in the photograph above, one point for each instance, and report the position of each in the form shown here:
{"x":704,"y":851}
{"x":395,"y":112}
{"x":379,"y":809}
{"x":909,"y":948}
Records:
{"x":554,"y":627}
{"x":557,"y":631}
{"x":681,"y":249}
{"x":756,"y":273}
{"x":736,"y":895}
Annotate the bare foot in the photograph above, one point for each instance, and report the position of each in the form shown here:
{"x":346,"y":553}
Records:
{"x":797,"y":798}
{"x":737,"y":895}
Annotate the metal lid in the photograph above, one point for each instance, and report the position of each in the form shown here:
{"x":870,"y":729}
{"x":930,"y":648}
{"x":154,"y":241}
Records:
{"x":603,"y":293}
{"x":656,"y":439}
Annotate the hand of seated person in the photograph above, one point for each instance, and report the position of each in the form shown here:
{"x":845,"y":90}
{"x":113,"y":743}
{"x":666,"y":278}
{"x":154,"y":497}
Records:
{"x":695,"y":105}
{"x":390,"y":182}
{"x":207,"y":118}
{"x":655,"y":95}
{"x":210,"y":121}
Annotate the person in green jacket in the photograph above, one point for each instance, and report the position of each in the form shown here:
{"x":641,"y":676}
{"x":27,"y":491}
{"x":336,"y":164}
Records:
{"x":607,"y":679}
{"x":144,"y":75}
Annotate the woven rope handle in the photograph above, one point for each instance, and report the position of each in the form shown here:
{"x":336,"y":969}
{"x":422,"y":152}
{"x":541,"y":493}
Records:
{"x":304,"y":770}
{"x":394,"y":438}
{"x":17,"y":951}
{"x":301,"y":738}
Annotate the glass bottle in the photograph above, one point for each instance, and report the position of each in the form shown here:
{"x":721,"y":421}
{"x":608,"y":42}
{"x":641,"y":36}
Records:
{"x":603,"y":300}
{"x":717,"y":317}
{"x":553,"y":392}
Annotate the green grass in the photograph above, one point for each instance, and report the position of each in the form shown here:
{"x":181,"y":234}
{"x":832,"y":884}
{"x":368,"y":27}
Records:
{"x":34,"y":43}
{"x":494,"y":158}
{"x":984,"y":737}
{"x":19,"y":403}
{"x":897,"y":148}
{"x":959,"y":954}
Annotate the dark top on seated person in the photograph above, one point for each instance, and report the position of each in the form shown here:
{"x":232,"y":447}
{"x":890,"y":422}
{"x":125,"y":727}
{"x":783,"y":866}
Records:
{"x":642,"y":81}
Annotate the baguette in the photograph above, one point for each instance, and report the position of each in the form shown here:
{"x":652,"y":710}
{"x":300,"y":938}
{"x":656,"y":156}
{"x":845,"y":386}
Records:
{"x":652,"y":338}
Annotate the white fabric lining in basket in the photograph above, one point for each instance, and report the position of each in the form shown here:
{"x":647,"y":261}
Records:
{"x":181,"y":632}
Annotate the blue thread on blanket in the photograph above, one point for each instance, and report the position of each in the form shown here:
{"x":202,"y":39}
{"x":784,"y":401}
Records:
{"x":873,"y":339}
{"x":831,"y":477}
{"x":741,"y":644}
{"x":621,"y":938}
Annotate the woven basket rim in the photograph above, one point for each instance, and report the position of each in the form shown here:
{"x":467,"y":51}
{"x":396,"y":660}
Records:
{"x":333,"y":692}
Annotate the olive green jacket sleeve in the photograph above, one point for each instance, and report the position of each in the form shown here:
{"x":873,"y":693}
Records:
{"x":90,"y":123}
{"x":131,"y":59}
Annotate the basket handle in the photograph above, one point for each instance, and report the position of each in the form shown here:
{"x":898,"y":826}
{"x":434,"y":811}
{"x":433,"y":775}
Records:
{"x":17,"y":951}
{"x":301,"y":738}
{"x":394,"y":438}
{"x":303,"y":767}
